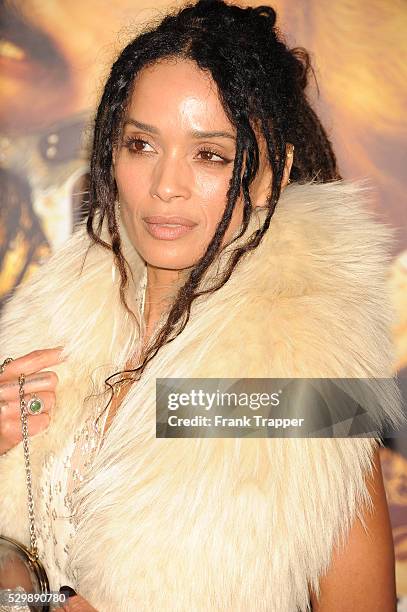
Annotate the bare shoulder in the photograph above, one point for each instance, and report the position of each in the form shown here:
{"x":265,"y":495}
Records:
{"x":362,"y":573}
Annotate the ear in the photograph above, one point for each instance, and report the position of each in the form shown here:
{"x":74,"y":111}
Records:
{"x":289,"y":157}
{"x":114,"y":154}
{"x":260,"y":187}
{"x":264,"y":185}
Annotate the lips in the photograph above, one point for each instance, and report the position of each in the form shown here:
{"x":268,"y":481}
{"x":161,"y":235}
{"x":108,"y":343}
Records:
{"x":168,"y":228}
{"x":159,"y":220}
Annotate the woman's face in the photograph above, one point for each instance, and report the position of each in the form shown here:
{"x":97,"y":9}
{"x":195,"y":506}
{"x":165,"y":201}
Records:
{"x":174,"y":163}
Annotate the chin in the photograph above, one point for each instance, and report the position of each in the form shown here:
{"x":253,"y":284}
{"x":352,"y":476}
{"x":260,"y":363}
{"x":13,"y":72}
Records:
{"x":168,"y":258}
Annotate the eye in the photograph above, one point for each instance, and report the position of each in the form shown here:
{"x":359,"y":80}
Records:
{"x":137,"y":145}
{"x":129,"y":141}
{"x":208,"y":152}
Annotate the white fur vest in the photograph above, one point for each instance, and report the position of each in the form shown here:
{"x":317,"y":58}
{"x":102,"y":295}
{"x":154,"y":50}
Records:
{"x":213,"y":524}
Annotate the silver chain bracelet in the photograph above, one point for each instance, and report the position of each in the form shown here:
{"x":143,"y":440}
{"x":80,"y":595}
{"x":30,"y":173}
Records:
{"x":26,"y":447}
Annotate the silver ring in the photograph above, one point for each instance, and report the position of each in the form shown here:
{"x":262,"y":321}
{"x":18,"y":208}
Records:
{"x":35,"y":405}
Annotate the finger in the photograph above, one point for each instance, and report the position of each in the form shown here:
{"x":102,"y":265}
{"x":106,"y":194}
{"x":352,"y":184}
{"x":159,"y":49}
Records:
{"x":77,"y":603}
{"x":32,"y":362}
{"x":34,"y":383}
{"x":10,"y":431}
{"x":11,"y":409}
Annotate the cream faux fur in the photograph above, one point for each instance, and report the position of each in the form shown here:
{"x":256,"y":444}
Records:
{"x":214,"y":524}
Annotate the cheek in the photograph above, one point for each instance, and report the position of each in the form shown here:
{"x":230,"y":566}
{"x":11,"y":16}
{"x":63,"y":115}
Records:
{"x":132,"y":186}
{"x":211,"y":195}
{"x":213,"y":201}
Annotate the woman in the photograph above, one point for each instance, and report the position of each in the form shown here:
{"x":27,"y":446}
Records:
{"x":202,"y":121}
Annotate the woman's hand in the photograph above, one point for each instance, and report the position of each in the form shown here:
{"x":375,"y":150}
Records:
{"x":43,"y":384}
{"x":76,"y":604}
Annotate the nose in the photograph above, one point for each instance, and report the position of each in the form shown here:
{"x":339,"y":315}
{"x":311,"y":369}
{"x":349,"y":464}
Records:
{"x":170,"y":179}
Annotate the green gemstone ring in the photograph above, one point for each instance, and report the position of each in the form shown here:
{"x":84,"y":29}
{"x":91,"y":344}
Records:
{"x":35,"y":405}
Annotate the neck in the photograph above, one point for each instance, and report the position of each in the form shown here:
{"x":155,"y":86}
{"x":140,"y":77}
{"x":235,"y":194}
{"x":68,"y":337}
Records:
{"x":162,"y":286}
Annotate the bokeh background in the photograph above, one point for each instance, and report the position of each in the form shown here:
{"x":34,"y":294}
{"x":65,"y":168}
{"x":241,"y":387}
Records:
{"x":54,"y":57}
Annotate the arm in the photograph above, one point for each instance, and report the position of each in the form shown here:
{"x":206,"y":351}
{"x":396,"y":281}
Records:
{"x":362,"y":575}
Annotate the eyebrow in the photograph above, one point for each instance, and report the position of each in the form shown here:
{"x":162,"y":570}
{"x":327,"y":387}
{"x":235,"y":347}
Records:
{"x":194,"y":133}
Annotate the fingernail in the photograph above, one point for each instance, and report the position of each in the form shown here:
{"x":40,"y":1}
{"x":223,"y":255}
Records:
{"x":67,"y":591}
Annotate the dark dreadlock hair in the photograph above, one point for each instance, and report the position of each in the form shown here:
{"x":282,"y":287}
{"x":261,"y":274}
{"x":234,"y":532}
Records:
{"x":260,"y":81}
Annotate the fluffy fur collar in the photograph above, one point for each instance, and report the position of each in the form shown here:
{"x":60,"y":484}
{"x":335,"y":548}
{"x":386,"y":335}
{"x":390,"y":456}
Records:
{"x":204,"y":524}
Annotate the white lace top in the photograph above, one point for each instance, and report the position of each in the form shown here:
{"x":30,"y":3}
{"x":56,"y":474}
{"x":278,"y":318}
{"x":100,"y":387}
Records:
{"x":61,"y":474}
